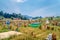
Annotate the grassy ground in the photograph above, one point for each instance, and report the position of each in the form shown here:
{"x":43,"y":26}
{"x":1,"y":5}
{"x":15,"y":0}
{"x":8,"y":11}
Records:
{"x":30,"y":33}
{"x":38,"y":34}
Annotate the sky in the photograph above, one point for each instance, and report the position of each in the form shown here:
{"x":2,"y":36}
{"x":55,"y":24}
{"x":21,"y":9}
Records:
{"x":31,"y":7}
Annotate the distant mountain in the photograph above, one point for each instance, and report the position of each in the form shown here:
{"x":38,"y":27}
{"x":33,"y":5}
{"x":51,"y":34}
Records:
{"x":28,"y":17}
{"x":37,"y":17}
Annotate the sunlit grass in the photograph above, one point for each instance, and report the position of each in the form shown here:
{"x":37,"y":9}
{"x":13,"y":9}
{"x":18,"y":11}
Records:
{"x":40,"y":34}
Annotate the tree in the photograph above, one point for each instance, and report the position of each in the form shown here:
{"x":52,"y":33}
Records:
{"x":13,"y":15}
{"x":1,"y":13}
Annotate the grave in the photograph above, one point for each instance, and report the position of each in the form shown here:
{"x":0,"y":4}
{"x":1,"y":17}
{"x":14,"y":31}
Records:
{"x":47,"y":21}
{"x":35,"y":25}
{"x":49,"y":37}
{"x":8,"y":24}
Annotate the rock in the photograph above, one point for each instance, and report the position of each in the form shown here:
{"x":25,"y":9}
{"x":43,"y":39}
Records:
{"x":8,"y":34}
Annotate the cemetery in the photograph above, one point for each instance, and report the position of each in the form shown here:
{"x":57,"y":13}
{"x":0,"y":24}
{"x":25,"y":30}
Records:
{"x":29,"y":19}
{"x":29,"y":29}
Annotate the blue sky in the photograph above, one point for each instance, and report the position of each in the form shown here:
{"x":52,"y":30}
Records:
{"x":32,"y":7}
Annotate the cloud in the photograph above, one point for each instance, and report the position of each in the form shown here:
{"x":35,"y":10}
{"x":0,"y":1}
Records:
{"x":41,"y":0}
{"x":18,"y":1}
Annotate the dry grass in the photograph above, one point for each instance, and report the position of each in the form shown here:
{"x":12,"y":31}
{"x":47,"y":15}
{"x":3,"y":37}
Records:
{"x":32,"y":33}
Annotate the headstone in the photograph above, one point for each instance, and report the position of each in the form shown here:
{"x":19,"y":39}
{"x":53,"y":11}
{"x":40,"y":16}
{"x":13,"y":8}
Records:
{"x":47,"y":21}
{"x":8,"y":23}
{"x":50,"y":37}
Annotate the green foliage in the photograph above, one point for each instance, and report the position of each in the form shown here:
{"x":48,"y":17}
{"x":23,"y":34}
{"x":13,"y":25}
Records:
{"x":4,"y":30}
{"x":13,"y":15}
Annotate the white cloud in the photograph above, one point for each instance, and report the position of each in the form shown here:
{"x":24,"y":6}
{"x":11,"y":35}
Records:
{"x":41,"y":0}
{"x":18,"y":1}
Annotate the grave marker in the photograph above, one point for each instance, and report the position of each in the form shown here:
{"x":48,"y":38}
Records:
{"x":49,"y":37}
{"x":47,"y":21}
{"x":8,"y":23}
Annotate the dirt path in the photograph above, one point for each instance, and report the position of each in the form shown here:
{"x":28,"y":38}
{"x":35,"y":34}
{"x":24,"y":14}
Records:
{"x":8,"y":34}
